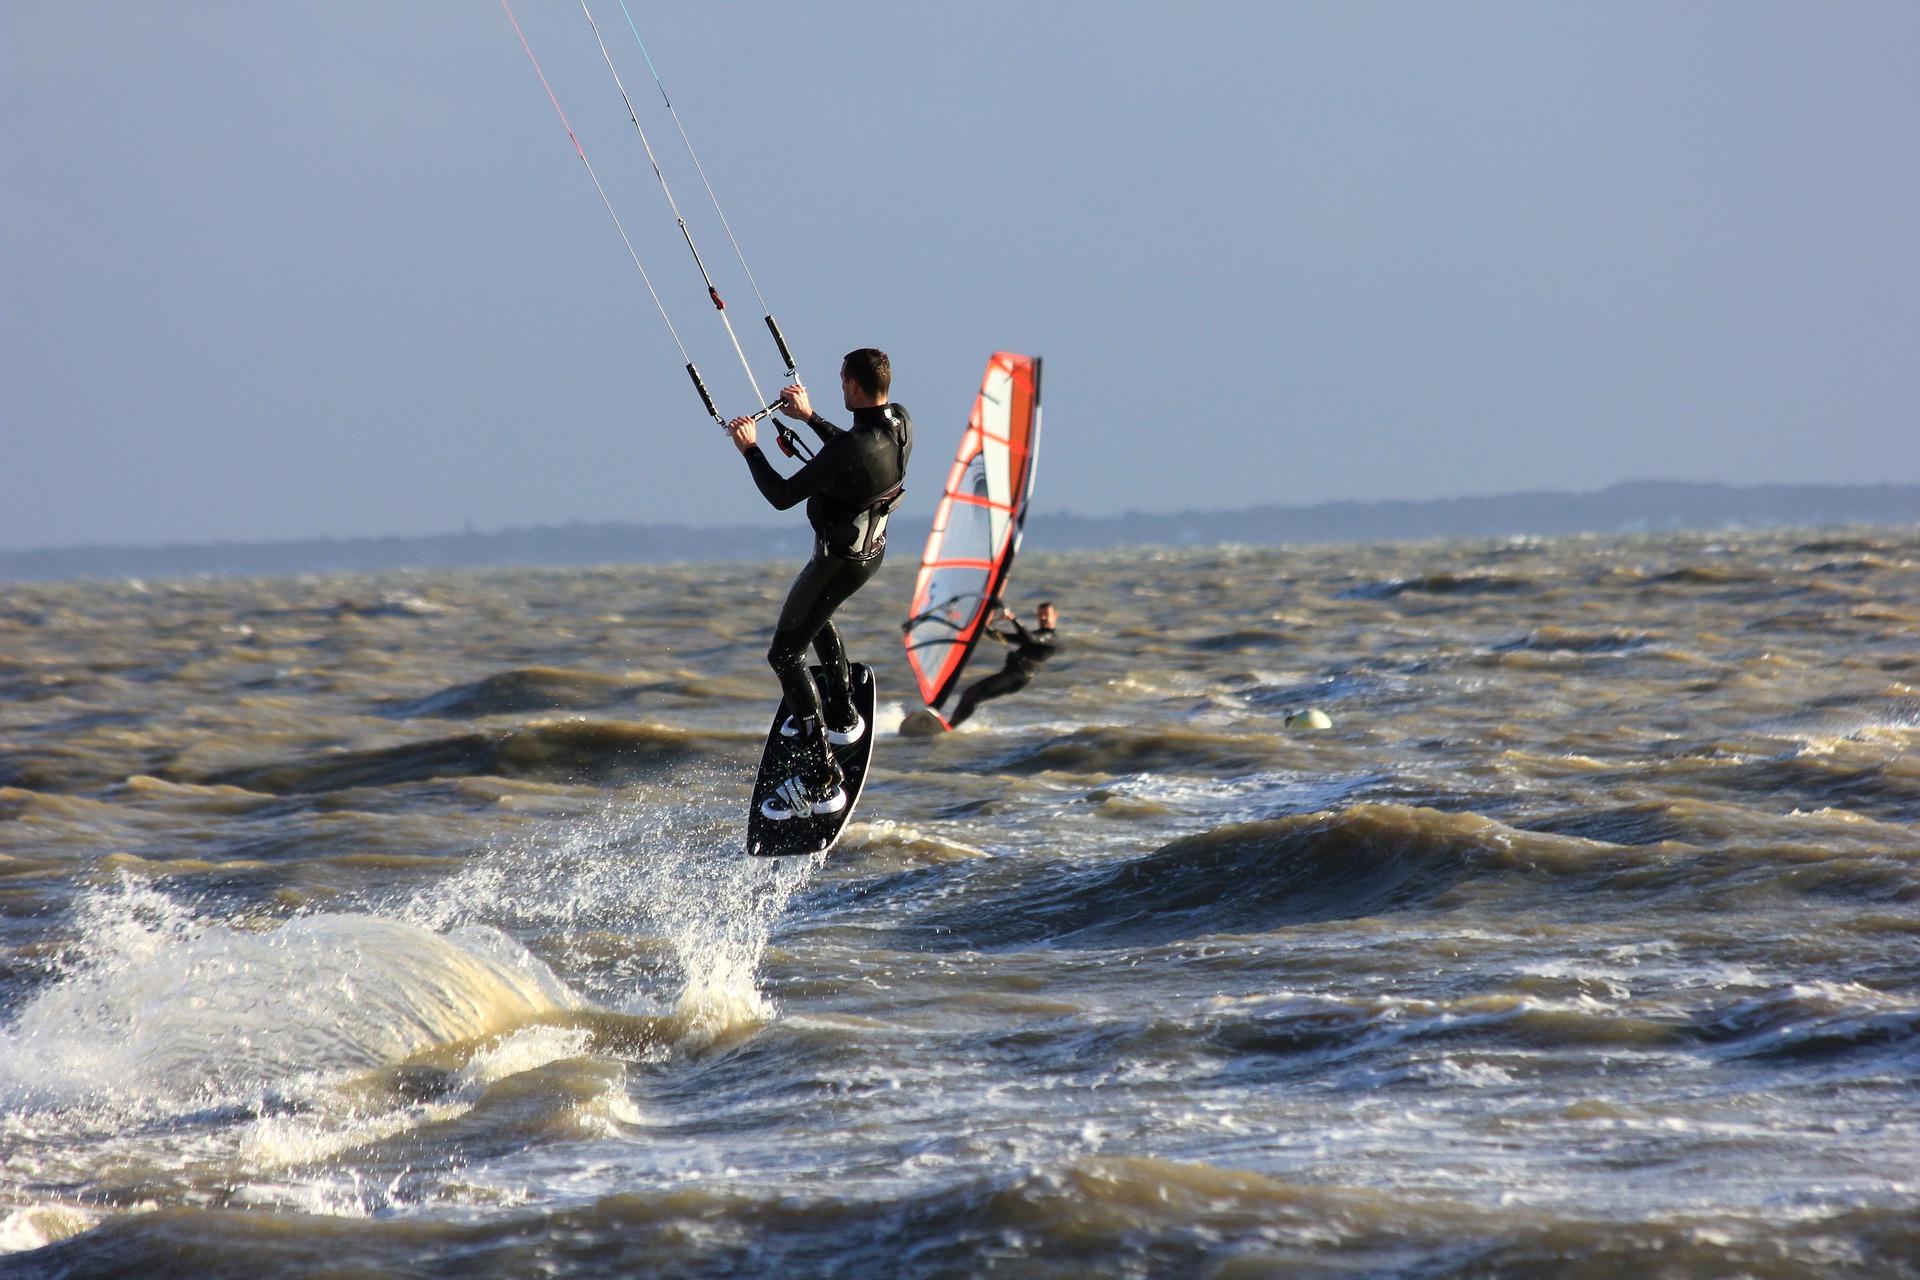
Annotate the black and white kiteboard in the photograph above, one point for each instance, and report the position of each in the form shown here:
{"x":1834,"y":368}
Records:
{"x":818,"y":832}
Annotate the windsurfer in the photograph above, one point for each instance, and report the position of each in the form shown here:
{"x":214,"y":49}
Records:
{"x":1030,"y":649}
{"x":849,"y":487}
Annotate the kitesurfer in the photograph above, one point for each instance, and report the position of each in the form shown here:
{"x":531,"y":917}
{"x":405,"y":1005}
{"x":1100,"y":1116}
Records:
{"x":1030,"y":649}
{"x":849,"y":487}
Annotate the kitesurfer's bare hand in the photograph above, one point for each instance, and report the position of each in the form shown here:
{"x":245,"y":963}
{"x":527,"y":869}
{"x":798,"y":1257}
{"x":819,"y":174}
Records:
{"x":794,"y":403}
{"x":745,"y":434}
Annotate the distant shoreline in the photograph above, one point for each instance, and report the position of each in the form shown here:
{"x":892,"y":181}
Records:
{"x":1633,"y":507}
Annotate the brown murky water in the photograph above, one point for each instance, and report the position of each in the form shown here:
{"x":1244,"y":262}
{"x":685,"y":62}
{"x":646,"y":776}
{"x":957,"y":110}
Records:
{"x":398,"y":925}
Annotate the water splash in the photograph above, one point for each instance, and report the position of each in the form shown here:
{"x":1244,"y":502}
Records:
{"x":247,"y":1053}
{"x":888,"y":717}
{"x":160,"y":1006}
{"x":674,"y":873}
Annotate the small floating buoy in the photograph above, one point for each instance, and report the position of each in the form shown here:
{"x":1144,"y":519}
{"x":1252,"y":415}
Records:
{"x":1311,"y":718}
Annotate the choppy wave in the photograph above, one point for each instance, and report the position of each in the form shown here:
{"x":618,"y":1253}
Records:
{"x":1248,"y":877}
{"x":525,"y":689}
{"x":1445,"y":584}
{"x":577,"y":751}
{"x":1115,"y":749}
{"x":1116,"y":1216}
{"x":1580,"y":945}
{"x":1568,"y":640}
{"x":1816,"y":1021}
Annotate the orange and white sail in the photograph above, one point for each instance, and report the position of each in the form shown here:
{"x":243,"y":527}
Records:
{"x":976,"y":529}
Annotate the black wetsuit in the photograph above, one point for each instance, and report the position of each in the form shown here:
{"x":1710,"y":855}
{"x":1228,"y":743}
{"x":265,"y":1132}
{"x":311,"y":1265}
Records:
{"x":1031,"y":648}
{"x":849,"y":486}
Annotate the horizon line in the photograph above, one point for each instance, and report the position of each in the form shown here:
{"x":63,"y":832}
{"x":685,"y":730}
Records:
{"x":744,"y":526}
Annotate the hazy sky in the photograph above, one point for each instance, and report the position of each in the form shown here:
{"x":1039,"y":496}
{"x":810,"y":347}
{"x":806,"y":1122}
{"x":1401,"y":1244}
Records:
{"x":282,"y":270}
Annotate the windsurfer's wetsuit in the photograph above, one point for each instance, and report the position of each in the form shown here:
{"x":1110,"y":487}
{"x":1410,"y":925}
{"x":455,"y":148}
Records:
{"x":849,"y":487}
{"x":1030,"y":649}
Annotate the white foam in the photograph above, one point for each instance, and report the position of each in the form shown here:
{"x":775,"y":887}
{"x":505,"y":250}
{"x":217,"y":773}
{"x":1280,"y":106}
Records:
{"x":328,"y":1129}
{"x":884,"y":834}
{"x":39,"y":1226}
{"x":1243,"y":799}
{"x":168,"y":1008}
{"x":278,"y":1142}
{"x":524,"y":1050}
{"x":888,"y":716}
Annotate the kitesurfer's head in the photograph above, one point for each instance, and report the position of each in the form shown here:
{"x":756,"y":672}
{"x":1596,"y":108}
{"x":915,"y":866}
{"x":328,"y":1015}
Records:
{"x":1046,"y":614}
{"x":865,"y":378}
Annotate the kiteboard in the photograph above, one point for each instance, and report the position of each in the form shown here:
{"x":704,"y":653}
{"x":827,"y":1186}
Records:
{"x":976,"y":531}
{"x":798,"y":837}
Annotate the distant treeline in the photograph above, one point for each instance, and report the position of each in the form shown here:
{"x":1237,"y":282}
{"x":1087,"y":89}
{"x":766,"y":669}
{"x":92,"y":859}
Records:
{"x":1642,"y":506}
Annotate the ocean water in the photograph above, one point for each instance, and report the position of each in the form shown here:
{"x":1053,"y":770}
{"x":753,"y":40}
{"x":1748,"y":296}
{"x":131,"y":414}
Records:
{"x":398,"y":925}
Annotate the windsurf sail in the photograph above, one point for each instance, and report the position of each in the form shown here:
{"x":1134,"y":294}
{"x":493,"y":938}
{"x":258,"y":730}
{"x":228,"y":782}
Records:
{"x":977,"y":527}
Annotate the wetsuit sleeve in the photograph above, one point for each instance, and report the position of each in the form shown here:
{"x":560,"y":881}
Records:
{"x":824,"y":429}
{"x":790,"y":491}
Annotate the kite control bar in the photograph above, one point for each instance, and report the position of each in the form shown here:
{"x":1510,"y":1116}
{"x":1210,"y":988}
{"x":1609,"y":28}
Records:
{"x":790,"y":442}
{"x":706,"y":398}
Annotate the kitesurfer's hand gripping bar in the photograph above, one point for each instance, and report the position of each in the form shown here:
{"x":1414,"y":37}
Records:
{"x":788,"y":439}
{"x":790,"y":443}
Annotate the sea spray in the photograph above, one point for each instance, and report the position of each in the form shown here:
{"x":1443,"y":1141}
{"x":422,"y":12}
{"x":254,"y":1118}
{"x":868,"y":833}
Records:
{"x":671,"y":872}
{"x":74,"y":1036}
{"x":718,"y":915}
{"x":160,"y":1005}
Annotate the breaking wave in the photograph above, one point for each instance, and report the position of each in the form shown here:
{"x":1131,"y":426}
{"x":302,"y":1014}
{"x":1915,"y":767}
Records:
{"x":164,"y":1007}
{"x":598,"y":752}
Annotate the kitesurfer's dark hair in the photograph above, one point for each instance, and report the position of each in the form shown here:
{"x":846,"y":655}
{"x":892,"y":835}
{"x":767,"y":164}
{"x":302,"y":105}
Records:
{"x":870,"y":368}
{"x":1044,"y":604}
